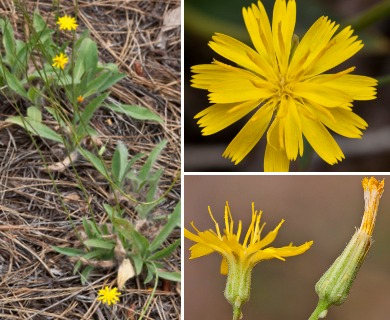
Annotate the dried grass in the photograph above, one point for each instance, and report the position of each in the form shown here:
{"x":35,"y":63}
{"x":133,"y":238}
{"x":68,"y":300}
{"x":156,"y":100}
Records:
{"x":35,"y":208}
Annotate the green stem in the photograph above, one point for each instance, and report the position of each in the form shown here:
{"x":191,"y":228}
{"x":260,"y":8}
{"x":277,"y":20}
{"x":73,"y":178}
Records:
{"x":321,"y":307}
{"x":370,"y":16}
{"x":237,"y":315}
{"x":384,"y":80}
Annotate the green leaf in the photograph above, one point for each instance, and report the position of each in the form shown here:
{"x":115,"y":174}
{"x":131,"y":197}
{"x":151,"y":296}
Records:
{"x":34,"y":95}
{"x":77,"y":267}
{"x":99,"y":243}
{"x":102,"y":82}
{"x":166,"y":252}
{"x":87,"y":228}
{"x":8,"y":41}
{"x":96,"y":253}
{"x":154,"y":154}
{"x":87,"y":58}
{"x":140,"y":242}
{"x":119,"y":163}
{"x":151,"y":272}
{"x":38,"y":23}
{"x":172,"y":276}
{"x":136,"y":112}
{"x":13,"y":83}
{"x":71,"y":252}
{"x":34,"y":114}
{"x":173,"y":221}
{"x":88,"y":112}
{"x":124,"y":227}
{"x":138,"y":263}
{"x":84,"y":275}
{"x":36,"y":128}
{"x":97,"y":162}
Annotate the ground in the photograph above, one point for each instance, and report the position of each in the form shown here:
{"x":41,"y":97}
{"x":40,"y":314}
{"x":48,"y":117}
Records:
{"x":39,"y":210}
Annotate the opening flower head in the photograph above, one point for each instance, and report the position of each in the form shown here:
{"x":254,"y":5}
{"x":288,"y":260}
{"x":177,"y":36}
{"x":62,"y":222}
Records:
{"x":284,"y":81}
{"x":109,"y":296}
{"x":60,"y":60}
{"x":67,"y":23}
{"x":238,"y":258}
{"x":334,"y":286}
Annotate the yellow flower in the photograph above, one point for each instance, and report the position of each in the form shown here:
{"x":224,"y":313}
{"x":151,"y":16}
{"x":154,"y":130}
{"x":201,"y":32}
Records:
{"x":238,"y":258}
{"x":284,"y":81}
{"x":109,"y":296}
{"x":60,"y":60}
{"x":80,"y":99}
{"x":67,"y":23}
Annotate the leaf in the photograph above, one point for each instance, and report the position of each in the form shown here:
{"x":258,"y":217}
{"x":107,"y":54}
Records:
{"x":71,"y":252}
{"x":104,"y":81}
{"x":36,"y":128}
{"x":38,"y":23}
{"x":87,"y":228}
{"x":145,"y":170}
{"x":166,"y":252}
{"x":151,"y":272}
{"x":119,"y":163}
{"x":124,"y":227}
{"x":88,"y":112}
{"x":172,"y":276}
{"x":173,"y":221}
{"x":136,"y":112}
{"x":8,"y":41}
{"x":34,"y":114}
{"x":87,"y":58}
{"x":97,"y":162}
{"x":13,"y":83}
{"x":84,"y":275}
{"x":140,"y":242}
{"x":99,"y":243}
{"x":138,"y":263}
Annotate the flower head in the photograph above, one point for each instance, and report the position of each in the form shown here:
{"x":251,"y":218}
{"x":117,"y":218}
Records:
{"x":238,"y":258}
{"x":284,"y":81}
{"x":60,"y":60}
{"x":109,"y":296}
{"x":67,"y":23}
{"x":80,"y":99}
{"x":334,"y":286}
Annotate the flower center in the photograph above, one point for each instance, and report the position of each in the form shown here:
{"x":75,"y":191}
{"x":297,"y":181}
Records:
{"x":283,"y":87}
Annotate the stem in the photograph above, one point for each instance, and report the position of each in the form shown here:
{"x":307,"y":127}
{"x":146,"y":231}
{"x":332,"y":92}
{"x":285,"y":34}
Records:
{"x":237,"y":315}
{"x":370,"y":16}
{"x":321,"y":307}
{"x":384,"y":80}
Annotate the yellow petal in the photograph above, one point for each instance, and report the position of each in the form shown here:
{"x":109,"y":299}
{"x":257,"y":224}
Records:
{"x":315,"y":40}
{"x":341,"y":48}
{"x":236,"y":51}
{"x":322,"y":94}
{"x":220,"y":116}
{"x":292,"y":130}
{"x":259,"y":29}
{"x":269,"y":238}
{"x":358,"y":87}
{"x":275,"y":158}
{"x":239,"y":90}
{"x":249,"y":135}
{"x":345,"y":122}
{"x":321,"y":140}
{"x":207,"y":75}
{"x":224,"y":266}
